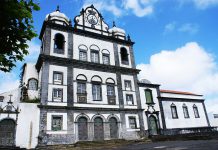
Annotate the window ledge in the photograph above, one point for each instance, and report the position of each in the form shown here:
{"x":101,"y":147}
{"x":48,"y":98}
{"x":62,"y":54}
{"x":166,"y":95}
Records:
{"x":56,"y":132}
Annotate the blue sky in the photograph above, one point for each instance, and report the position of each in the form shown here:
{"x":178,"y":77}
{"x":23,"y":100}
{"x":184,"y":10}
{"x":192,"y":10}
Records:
{"x":176,"y":41}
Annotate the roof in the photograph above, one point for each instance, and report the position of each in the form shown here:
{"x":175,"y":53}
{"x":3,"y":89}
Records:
{"x":179,"y":92}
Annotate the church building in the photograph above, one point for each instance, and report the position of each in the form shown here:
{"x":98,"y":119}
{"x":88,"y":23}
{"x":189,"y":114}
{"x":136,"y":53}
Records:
{"x":84,"y":87}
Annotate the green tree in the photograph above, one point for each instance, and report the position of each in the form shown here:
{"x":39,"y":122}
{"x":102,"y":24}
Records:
{"x":16,"y":28}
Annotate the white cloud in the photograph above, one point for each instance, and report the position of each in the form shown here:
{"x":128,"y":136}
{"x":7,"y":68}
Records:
{"x":8,"y":82}
{"x":190,"y":28}
{"x":140,"y":8}
{"x":170,"y":27}
{"x":200,"y":4}
{"x":203,"y":4}
{"x":188,"y":68}
{"x":33,"y":50}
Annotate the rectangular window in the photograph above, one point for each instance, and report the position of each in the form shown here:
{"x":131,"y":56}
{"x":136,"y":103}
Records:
{"x":57,"y":77}
{"x":185,"y":111}
{"x":57,"y":95}
{"x":110,"y":90}
{"x":96,"y":92}
{"x":129,"y":99}
{"x":81,"y":92}
{"x":106,"y":59}
{"x":174,"y":112}
{"x":56,"y":123}
{"x":132,"y":123}
{"x":81,"y":87}
{"x":95,"y":56}
{"x":111,"y":95}
{"x":128,"y":85}
{"x":196,"y":112}
{"x":82,"y":55}
{"x":148,"y":95}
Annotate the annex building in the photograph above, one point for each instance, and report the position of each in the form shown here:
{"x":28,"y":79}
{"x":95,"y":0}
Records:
{"x":84,"y":87}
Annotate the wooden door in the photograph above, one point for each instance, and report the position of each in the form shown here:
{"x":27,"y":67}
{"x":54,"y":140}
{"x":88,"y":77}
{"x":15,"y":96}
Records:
{"x":113,"y":128}
{"x":98,"y":129}
{"x":82,"y":129}
{"x":7,"y":132}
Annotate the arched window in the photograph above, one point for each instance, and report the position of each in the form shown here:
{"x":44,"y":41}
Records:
{"x":94,"y":53}
{"x":149,"y":97}
{"x":96,"y":88}
{"x":195,"y":109}
{"x":59,"y":43}
{"x":32,"y":84}
{"x":83,"y":52}
{"x":185,"y":111}
{"x":174,"y":111}
{"x":105,"y":57}
{"x":81,"y":89}
{"x":124,"y":56}
{"x":111,"y":91}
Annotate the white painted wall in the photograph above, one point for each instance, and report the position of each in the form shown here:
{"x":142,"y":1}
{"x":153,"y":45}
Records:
{"x":29,"y":114}
{"x":182,"y":122}
{"x":128,"y":91}
{"x":62,"y":69}
{"x":78,"y":40}
{"x":145,"y":106}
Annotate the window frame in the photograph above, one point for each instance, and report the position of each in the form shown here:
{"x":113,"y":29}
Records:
{"x":151,"y":96}
{"x":185,"y":111}
{"x":129,"y":95}
{"x":83,"y":51}
{"x":52,"y":122}
{"x":98,"y":84}
{"x":124,"y":62}
{"x":28,"y":85}
{"x":108,"y":56}
{"x":91,"y":58}
{"x":173,"y":106}
{"x":130,"y":123}
{"x":57,"y":50}
{"x":196,"y":113}
{"x":58,"y":72}
{"x":130,"y":83}
{"x":57,"y":98}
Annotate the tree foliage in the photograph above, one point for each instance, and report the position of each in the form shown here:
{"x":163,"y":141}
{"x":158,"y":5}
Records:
{"x":16,"y":28}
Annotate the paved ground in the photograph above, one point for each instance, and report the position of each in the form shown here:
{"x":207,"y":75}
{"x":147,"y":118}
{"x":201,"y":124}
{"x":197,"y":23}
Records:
{"x":173,"y":145}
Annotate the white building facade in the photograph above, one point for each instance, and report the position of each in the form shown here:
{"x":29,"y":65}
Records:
{"x":85,"y":88}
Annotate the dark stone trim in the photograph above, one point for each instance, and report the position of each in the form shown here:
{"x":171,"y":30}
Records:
{"x":119,"y":89}
{"x":180,"y":99}
{"x":148,"y":85}
{"x":87,"y":108}
{"x":205,"y":111}
{"x":44,"y":83}
{"x":161,"y":108}
{"x":82,"y":32}
{"x":116,"y":55}
{"x":83,"y":65}
{"x":70,"y":86}
{"x":132,"y":57}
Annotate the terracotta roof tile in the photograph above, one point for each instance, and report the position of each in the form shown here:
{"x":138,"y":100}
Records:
{"x":179,"y":92}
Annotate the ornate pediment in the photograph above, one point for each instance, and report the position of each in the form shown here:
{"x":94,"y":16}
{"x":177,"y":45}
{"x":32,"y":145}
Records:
{"x":91,"y":20}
